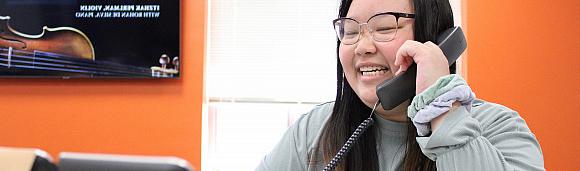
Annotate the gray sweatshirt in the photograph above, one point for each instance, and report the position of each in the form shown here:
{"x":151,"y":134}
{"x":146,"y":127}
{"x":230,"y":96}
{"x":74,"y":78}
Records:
{"x":489,"y":137}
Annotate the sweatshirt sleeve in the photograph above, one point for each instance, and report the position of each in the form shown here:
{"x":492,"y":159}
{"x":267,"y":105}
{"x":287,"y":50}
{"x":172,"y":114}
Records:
{"x":490,"y":137}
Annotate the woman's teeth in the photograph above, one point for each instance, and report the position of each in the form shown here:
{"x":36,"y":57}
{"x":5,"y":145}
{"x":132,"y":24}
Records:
{"x":374,"y":70}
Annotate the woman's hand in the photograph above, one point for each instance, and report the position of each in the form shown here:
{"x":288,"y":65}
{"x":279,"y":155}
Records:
{"x":431,"y":62}
{"x":431,"y":65}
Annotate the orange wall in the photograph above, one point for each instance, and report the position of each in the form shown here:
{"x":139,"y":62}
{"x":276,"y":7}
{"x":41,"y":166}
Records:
{"x":152,"y":117}
{"x":525,"y":55}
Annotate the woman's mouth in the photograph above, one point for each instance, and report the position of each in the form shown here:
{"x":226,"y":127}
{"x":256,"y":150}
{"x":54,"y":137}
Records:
{"x":370,"y":71}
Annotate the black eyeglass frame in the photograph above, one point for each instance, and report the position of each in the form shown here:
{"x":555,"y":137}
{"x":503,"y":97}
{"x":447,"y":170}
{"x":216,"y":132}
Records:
{"x":396,"y":14}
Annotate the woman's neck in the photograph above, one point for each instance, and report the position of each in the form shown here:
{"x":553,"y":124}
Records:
{"x":397,"y":114}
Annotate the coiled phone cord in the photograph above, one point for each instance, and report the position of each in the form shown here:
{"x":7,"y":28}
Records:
{"x":362,"y":127}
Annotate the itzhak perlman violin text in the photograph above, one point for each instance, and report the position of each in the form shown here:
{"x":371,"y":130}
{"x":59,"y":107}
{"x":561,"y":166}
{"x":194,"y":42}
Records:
{"x":118,"y":11}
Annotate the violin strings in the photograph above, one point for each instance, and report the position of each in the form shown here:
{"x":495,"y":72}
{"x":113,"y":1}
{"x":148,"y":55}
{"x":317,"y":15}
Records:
{"x":97,"y":67}
{"x":37,"y":64}
{"x":84,"y":61}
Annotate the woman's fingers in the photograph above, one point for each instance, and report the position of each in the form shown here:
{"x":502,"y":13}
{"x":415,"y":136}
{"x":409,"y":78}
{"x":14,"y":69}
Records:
{"x":407,"y":50}
{"x":405,"y":55}
{"x":430,"y":60}
{"x":401,"y":70}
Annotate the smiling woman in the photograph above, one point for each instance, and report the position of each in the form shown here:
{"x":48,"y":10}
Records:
{"x":444,"y":127}
{"x":292,"y":70}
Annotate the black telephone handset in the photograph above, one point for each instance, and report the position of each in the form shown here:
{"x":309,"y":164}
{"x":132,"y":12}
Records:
{"x":395,"y":91}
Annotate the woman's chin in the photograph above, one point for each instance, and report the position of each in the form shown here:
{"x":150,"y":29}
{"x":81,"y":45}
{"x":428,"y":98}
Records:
{"x":370,"y":99}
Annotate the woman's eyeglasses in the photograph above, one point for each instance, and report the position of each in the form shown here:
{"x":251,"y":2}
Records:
{"x":382,"y":27}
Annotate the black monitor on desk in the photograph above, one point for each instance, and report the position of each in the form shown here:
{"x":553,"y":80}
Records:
{"x":43,"y":162}
{"x":105,"y":162}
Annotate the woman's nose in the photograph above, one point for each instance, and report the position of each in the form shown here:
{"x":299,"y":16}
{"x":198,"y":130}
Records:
{"x":366,"y":44}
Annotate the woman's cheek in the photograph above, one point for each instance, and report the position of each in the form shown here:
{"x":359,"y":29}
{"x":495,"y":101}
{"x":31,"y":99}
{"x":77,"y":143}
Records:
{"x":346,"y":56}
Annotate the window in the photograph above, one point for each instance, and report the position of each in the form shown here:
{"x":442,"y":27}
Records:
{"x":268,"y":62}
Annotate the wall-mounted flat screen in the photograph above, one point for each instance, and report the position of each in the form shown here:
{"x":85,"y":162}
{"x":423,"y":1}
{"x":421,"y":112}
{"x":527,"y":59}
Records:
{"x":90,"y":38}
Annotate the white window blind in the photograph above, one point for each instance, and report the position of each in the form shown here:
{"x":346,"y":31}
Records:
{"x":268,"y":61}
{"x":280,"y":50}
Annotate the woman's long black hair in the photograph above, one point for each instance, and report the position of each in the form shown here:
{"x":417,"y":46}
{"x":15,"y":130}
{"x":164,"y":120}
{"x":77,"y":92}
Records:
{"x":431,"y":18}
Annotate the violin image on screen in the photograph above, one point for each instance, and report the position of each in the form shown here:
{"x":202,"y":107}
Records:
{"x":66,"y":52}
